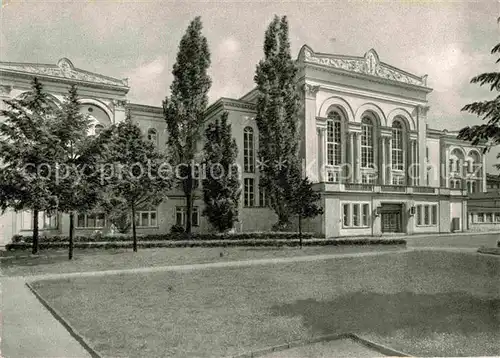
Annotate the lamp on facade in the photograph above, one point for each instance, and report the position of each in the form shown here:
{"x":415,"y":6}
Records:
{"x":412,"y":210}
{"x":378,"y":210}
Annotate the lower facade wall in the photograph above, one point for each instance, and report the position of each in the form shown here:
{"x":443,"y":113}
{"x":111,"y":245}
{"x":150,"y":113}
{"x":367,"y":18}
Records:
{"x":451,"y":213}
{"x":446,"y":208}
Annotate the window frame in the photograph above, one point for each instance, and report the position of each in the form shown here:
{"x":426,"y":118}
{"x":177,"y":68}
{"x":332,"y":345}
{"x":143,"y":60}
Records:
{"x":248,"y":192}
{"x":86,"y":220}
{"x":149,"y":213}
{"x":334,"y":134}
{"x":248,"y":150}
{"x":397,"y":146}
{"x":356,"y":215}
{"x":182,"y":211}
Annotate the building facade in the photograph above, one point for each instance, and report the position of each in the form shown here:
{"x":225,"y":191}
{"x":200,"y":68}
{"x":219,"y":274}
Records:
{"x":484,"y":208}
{"x":365,"y":143}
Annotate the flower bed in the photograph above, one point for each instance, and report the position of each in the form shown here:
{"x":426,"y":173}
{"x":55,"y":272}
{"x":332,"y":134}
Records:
{"x":168,"y":237}
{"x":269,"y":240}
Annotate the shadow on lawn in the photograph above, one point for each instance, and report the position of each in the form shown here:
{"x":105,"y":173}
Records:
{"x":420,"y":315}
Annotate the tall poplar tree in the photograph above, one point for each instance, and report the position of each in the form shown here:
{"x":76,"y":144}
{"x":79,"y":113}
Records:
{"x":221,"y":186}
{"x":489,"y":110}
{"x":278,"y":118}
{"x":185,"y":109}
{"x":27,"y":156}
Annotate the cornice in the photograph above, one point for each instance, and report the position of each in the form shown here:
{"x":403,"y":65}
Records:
{"x":144,"y":108}
{"x":369,"y":65}
{"x":62,"y":80}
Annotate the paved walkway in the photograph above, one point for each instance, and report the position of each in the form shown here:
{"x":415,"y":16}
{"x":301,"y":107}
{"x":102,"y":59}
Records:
{"x":29,"y":330}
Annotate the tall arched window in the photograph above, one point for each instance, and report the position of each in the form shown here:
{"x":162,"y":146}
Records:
{"x":334,"y":138}
{"x":397,"y":146}
{"x":367,"y":156}
{"x":153,"y":136}
{"x":248,"y":150}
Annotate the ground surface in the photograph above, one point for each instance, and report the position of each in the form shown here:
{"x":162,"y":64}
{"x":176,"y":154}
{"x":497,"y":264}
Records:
{"x":20,"y":263}
{"x":56,"y":261}
{"x":423,"y":303}
{"x":336,"y":348}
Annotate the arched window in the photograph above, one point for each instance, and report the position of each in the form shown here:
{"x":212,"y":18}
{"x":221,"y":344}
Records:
{"x":334,"y":138}
{"x":397,"y":146}
{"x":367,"y":156}
{"x":153,"y":136}
{"x":248,"y":150}
{"x":98,"y":128}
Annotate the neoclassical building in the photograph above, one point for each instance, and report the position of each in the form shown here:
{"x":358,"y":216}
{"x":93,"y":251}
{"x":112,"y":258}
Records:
{"x":366,"y":143}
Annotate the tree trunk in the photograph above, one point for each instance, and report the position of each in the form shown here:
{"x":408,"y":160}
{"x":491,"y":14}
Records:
{"x":300,"y":230}
{"x":71,"y":234}
{"x":134,"y":233}
{"x":34,"y":249}
{"x":189,"y":202}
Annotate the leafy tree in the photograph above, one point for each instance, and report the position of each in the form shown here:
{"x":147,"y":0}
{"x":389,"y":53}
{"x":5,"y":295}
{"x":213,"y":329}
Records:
{"x":136,"y":175}
{"x":277,"y":117}
{"x":185,"y":110}
{"x":303,"y":199}
{"x":26,"y":155}
{"x":489,"y":110}
{"x":221,"y":186}
{"x":76,"y":181}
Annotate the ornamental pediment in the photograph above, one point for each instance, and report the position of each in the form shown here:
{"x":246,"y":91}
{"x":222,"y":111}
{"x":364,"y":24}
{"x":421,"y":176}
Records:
{"x":369,"y":64}
{"x":63,"y":69}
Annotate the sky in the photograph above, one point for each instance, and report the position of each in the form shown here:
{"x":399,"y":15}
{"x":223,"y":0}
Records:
{"x":450,"y":41}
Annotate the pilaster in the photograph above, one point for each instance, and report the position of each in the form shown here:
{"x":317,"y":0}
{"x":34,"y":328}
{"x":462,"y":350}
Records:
{"x":119,"y":111}
{"x":310,"y":132}
{"x":422,"y":139}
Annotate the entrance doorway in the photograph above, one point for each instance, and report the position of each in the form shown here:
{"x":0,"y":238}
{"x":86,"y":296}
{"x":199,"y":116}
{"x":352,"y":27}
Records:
{"x":392,"y":218}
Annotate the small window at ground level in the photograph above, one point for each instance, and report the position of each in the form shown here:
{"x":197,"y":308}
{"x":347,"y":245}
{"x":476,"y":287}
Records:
{"x":434,"y":215}
{"x":346,"y":214}
{"x":355,"y":214}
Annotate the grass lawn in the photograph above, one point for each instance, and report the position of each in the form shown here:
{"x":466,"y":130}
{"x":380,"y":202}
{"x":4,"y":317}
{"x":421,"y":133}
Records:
{"x":422,"y":303}
{"x":21,"y":263}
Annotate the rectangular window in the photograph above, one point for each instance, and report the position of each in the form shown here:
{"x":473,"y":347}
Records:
{"x":45,"y":221}
{"x":426,"y":215}
{"x":419,"y":214}
{"x":434,"y":215}
{"x":480,"y":217}
{"x":248,"y":150}
{"x":91,"y":221}
{"x":398,"y":180}
{"x":145,"y":218}
{"x":355,"y":214}
{"x":347,"y":214}
{"x":489,"y":217}
{"x":248,"y":192}
{"x":181,"y":216}
{"x":366,"y":214}
{"x":263,"y":200}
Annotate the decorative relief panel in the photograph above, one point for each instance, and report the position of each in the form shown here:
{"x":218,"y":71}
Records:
{"x":368,"y":65}
{"x":64,"y":69}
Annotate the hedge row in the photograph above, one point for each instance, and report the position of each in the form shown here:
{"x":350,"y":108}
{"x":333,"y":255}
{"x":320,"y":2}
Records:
{"x":209,"y":243}
{"x":169,"y":237}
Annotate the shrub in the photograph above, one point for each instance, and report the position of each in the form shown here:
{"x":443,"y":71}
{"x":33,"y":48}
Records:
{"x":177,"y":229}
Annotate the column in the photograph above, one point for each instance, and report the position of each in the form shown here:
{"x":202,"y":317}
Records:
{"x":383,"y":166}
{"x":483,"y":175}
{"x":358,"y":157}
{"x":413,"y":162}
{"x":351,"y":157}
{"x":321,"y":154}
{"x":447,"y":168}
{"x":389,"y":160}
